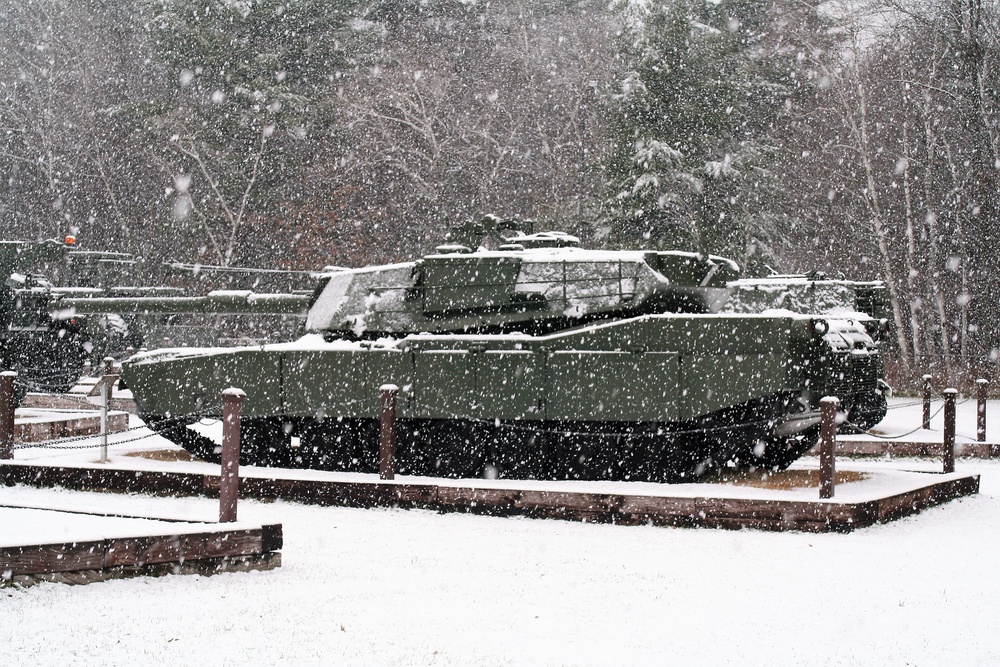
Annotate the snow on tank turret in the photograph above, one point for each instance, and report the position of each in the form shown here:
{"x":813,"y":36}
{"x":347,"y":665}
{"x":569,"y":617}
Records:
{"x":531,"y":282}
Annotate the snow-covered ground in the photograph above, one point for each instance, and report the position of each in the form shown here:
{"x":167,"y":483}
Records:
{"x":394,"y":587}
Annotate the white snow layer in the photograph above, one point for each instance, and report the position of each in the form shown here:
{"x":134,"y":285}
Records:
{"x":395,"y":587}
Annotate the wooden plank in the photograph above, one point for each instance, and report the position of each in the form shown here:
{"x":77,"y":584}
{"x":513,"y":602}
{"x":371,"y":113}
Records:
{"x":971,"y":450}
{"x":479,"y":501}
{"x":568,"y":505}
{"x":72,"y":426}
{"x":52,"y":558}
{"x":139,"y":551}
{"x":203,"y":566}
{"x":905,"y":504}
{"x":103,"y":479}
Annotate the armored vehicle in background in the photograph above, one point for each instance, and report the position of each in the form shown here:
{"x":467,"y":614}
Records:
{"x":536,"y":359}
{"x":61,"y":307}
{"x":49,"y":354}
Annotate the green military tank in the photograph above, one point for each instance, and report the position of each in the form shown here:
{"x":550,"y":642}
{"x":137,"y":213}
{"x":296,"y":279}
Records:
{"x":538,"y":359}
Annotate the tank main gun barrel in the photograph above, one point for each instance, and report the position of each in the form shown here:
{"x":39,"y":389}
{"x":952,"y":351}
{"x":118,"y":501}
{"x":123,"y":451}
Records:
{"x":195,"y":269}
{"x":223,"y":302}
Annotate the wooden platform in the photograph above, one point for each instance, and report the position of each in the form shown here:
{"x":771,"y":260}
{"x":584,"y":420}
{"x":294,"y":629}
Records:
{"x":35,"y":425}
{"x":181,"y":548}
{"x":73,"y":401}
{"x":618,"y":508}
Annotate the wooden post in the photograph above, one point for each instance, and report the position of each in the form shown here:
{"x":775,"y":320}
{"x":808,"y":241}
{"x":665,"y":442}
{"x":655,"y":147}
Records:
{"x":387,"y":433}
{"x":229,"y":478}
{"x":927,"y":402}
{"x":7,"y":405}
{"x":981,"y":385}
{"x":949,"y":429}
{"x":827,"y":443}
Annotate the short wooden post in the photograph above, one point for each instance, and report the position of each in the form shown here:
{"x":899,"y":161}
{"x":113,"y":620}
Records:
{"x":229,"y":479}
{"x":949,"y":429}
{"x":827,"y":443}
{"x":927,"y":402}
{"x":8,"y":403}
{"x":981,"y":386}
{"x":387,"y":432}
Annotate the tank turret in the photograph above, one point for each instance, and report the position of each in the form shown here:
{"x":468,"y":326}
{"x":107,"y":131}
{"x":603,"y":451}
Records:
{"x":531,"y":283}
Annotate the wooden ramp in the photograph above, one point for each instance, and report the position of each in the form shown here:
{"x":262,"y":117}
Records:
{"x":711,"y":508}
{"x":46,"y":544}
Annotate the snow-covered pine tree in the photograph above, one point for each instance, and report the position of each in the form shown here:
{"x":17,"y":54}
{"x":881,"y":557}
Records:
{"x":701,"y":91}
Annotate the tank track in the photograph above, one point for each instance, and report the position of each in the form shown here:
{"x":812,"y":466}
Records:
{"x":674,"y":452}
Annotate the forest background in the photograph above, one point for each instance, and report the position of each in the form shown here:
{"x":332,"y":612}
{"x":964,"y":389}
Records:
{"x":859,"y":138}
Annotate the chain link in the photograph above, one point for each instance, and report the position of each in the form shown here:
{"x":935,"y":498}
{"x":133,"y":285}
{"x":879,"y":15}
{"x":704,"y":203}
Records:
{"x":64,"y":443}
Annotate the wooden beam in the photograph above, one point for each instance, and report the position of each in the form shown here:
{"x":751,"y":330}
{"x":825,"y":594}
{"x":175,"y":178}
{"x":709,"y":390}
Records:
{"x":138,"y":551}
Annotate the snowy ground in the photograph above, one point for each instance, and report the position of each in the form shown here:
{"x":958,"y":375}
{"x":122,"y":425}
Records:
{"x":381,"y":587}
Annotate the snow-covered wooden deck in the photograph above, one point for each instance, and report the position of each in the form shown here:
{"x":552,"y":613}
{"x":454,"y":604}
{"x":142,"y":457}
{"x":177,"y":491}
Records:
{"x":878,"y":495}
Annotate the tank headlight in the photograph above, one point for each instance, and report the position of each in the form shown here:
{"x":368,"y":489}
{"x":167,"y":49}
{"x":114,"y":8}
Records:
{"x":820,"y":327}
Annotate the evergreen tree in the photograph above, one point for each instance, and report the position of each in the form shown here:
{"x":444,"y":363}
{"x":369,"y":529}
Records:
{"x":690,"y":167}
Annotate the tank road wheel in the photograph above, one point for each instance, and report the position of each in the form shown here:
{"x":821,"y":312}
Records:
{"x":868,"y":409}
{"x":517,"y":452}
{"x":265,"y":441}
{"x":176,"y":431}
{"x":338,"y":444}
{"x":686,"y":458}
{"x":637,"y":461}
{"x":587,"y":455}
{"x":778,"y":453}
{"x":445,"y":449}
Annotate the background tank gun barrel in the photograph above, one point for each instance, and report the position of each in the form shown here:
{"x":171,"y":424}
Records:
{"x":222,"y":302}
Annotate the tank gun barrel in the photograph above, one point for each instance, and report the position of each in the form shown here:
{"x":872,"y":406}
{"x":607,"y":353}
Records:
{"x":195,"y":269}
{"x":224,"y":302}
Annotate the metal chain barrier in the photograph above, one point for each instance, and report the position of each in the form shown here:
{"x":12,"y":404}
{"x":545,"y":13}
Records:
{"x":64,"y":443}
{"x":860,"y":431}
